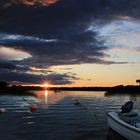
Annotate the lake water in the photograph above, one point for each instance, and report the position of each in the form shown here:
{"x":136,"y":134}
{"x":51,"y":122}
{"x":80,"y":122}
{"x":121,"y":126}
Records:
{"x":57,"y":118}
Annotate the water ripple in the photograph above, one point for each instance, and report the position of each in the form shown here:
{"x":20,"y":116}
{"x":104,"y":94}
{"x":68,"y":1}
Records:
{"x":57,"y":117}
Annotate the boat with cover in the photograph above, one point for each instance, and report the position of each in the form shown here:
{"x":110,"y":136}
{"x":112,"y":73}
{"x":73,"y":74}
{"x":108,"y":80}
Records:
{"x":127,"y":124}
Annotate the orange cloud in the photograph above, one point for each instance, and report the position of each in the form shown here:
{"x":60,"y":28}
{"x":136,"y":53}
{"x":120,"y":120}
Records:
{"x":42,"y":2}
{"x":30,"y":2}
{"x":38,"y":69}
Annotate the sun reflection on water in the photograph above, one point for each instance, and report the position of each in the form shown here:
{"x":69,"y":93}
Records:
{"x":46,"y":96}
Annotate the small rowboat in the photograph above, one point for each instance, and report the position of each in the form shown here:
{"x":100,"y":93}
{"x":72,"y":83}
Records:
{"x":126,"y":124}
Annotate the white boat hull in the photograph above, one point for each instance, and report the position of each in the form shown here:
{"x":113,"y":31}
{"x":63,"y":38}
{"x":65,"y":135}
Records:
{"x":128,"y":131}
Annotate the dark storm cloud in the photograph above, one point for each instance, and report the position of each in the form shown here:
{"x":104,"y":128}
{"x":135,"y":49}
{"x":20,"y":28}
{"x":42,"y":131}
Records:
{"x":20,"y":77}
{"x":11,"y":72}
{"x":7,"y":65}
{"x":12,"y":66}
{"x":77,"y":48}
{"x":57,"y":34}
{"x":69,"y":14}
{"x":63,"y":79}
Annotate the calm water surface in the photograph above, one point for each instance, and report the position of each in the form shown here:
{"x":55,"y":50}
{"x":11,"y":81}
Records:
{"x":57,"y":118}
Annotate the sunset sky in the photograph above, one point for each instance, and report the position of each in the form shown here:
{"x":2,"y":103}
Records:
{"x":70,"y":42}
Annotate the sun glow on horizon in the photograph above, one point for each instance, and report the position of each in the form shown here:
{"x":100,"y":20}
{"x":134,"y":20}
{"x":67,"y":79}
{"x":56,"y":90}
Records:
{"x":46,"y":85}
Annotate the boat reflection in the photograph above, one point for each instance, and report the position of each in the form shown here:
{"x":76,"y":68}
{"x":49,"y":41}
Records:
{"x":112,"y":135}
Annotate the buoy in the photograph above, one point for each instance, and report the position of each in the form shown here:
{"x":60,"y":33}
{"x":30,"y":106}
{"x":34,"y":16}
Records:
{"x":2,"y":110}
{"x":32,"y":107}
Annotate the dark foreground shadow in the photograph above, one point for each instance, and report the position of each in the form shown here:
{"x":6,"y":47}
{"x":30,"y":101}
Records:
{"x":109,"y":94}
{"x":112,"y":135}
{"x":123,"y":90}
{"x":16,"y":91}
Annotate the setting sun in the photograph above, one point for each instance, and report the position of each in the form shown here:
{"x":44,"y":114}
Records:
{"x":46,"y":85}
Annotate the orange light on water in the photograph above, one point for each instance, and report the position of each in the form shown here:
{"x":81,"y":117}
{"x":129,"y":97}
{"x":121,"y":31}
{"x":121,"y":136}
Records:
{"x":46,"y":96}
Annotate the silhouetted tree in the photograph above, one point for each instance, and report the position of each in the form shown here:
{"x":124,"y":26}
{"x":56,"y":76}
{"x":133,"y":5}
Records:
{"x":138,"y":81}
{"x":3,"y":84}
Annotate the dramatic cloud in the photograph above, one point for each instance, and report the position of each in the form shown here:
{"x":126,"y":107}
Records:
{"x":7,"y":66}
{"x":8,"y":3}
{"x":18,"y":38}
{"x":27,"y":78}
{"x":66,"y":32}
{"x":120,"y":33}
{"x":77,"y":49}
{"x":42,"y":2}
{"x":12,"y":54}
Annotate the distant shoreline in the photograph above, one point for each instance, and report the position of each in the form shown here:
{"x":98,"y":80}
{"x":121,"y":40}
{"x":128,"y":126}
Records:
{"x":108,"y":90}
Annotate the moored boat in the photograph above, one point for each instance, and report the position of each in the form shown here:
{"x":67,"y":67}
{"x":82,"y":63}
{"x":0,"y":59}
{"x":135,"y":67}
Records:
{"x":126,"y":124}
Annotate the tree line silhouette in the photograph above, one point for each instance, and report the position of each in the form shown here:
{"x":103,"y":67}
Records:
{"x":138,"y":81}
{"x":18,"y":89}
